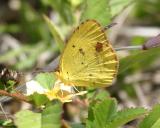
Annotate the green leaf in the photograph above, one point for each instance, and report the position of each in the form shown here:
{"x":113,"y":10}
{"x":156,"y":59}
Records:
{"x":55,"y":33}
{"x":98,"y":10}
{"x":7,"y":123}
{"x":101,"y":113}
{"x":46,"y":80}
{"x":117,"y":6}
{"x":76,"y":3}
{"x":33,"y":53}
{"x":104,"y":112}
{"x":77,"y":125}
{"x":152,"y":120}
{"x":51,"y":116}
{"x":139,"y":60}
{"x":156,"y":124}
{"x":63,"y":7}
{"x":31,"y":24}
{"x":124,"y":116}
{"x":9,"y":28}
{"x":12,"y":54}
{"x":102,"y":95}
{"x":28,"y":119}
{"x":38,"y":99}
{"x":97,"y":94}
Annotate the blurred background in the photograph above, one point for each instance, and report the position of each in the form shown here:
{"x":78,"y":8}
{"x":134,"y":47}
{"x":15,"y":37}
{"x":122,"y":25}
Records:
{"x":27,"y":44}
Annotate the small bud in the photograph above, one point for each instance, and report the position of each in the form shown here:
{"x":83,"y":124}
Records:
{"x":151,"y":43}
{"x":8,"y":74}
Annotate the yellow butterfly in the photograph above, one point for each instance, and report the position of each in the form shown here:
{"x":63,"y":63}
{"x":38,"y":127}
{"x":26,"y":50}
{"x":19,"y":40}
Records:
{"x":88,"y":58}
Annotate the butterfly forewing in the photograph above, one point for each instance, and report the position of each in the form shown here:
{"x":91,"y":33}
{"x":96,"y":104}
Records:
{"x":88,"y":59}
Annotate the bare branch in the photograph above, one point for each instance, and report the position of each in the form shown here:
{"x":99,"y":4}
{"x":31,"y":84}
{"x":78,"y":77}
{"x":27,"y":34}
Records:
{"x":18,"y":96}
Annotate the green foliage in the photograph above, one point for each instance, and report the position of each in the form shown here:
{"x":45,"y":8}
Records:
{"x":104,"y":114}
{"x":104,"y":10}
{"x":103,"y":111}
{"x":26,"y":119}
{"x":8,"y":85}
{"x":55,"y":33}
{"x":13,"y":28}
{"x":7,"y":123}
{"x":32,"y":51}
{"x":48,"y":118}
{"x":94,"y":94}
{"x":51,"y":116}
{"x":140,"y":60}
{"x":38,"y":99}
{"x":137,"y":40}
{"x":35,"y":37}
{"x":32,"y":24}
{"x":117,"y":6}
{"x":63,"y":8}
{"x":100,"y":113}
{"x":148,"y":12}
{"x":46,"y":80}
{"x":137,"y":61}
{"x":153,"y":119}
{"x":125,"y":116}
{"x":102,"y":94}
{"x":76,"y":125}
{"x":98,"y":10}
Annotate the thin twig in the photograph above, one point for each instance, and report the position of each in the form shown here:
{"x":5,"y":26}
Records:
{"x":3,"y":111}
{"x":18,"y":96}
{"x":2,"y":117}
{"x":138,"y":47}
{"x":140,"y":95}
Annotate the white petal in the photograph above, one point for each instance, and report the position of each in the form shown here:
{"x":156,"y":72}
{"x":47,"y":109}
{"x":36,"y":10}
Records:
{"x":64,"y":87}
{"x":34,"y":86}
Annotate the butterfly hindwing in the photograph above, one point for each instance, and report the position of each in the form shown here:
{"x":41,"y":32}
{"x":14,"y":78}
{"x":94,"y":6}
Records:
{"x":88,"y":58}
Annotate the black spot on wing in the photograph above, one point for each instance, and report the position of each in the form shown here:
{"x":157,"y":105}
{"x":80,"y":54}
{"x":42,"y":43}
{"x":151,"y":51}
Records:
{"x":90,"y":75}
{"x":82,"y":51}
{"x":73,"y":46}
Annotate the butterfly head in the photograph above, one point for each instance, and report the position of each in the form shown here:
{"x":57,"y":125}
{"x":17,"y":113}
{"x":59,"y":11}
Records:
{"x":64,"y":78}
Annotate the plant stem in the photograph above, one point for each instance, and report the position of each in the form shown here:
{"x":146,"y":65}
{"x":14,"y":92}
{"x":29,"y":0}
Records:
{"x":138,"y":47}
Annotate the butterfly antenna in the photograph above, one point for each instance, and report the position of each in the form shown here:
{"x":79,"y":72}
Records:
{"x":76,"y":88}
{"x":109,"y":26}
{"x":61,"y":92}
{"x":3,"y":111}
